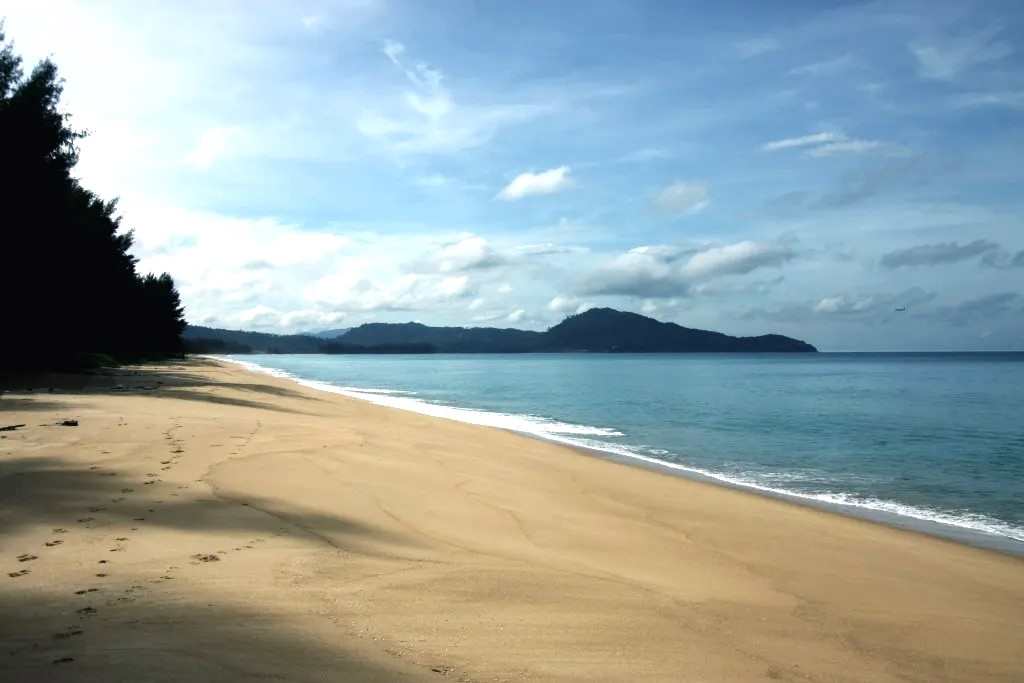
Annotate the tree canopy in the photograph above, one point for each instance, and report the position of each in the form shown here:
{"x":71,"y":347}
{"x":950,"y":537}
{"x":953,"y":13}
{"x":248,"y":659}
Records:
{"x":68,"y":282}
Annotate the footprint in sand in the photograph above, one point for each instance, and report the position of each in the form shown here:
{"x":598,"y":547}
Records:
{"x":86,"y":590}
{"x":101,"y":575}
{"x":59,"y":530}
{"x":85,"y":520}
{"x":152,"y":474}
{"x":127,"y":490}
{"x":138,"y":519}
{"x":117,"y":500}
{"x":20,"y":572}
{"x":121,"y":538}
{"x":27,"y":557}
{"x":98,"y":508}
{"x":63,"y":660}
{"x":69,"y":633}
{"x":147,"y":483}
{"x":50,"y":544}
{"x":86,"y":611}
{"x":206,"y":557}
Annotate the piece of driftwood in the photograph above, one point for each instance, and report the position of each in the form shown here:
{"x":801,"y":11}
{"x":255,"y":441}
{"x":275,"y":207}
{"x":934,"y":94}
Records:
{"x":10,"y":428}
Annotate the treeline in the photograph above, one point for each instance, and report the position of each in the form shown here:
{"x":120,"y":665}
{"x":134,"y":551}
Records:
{"x":199,"y":339}
{"x":70,"y":289}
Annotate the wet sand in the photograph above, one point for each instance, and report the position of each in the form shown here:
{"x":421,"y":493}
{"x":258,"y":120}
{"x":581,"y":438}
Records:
{"x":204,"y":522}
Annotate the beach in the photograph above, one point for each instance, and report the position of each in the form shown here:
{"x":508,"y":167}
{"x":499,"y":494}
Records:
{"x":201,"y":521}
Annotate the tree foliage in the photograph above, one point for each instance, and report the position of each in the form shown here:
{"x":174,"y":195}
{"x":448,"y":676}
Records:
{"x":68,"y":283}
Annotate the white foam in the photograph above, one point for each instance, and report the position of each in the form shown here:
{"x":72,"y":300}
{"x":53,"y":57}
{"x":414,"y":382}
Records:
{"x":572,"y":435}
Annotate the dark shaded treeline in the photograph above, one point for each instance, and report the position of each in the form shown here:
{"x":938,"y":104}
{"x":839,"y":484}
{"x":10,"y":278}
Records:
{"x":70,"y":289}
{"x":602,"y":330}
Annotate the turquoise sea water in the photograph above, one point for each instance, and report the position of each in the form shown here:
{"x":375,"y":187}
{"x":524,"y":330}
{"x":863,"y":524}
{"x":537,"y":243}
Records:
{"x":931,"y":441}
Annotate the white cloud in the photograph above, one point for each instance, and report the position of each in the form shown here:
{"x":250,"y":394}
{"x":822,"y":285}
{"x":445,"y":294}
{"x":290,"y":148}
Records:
{"x":803,"y":141}
{"x":212,"y":146}
{"x":516,"y":315}
{"x":505,"y":288}
{"x":564,"y":304}
{"x":844,"y":147}
{"x":470,"y":253}
{"x":683,"y":197}
{"x":739,"y":258}
{"x":945,"y":60}
{"x":666,"y":271}
{"x":429,"y":120}
{"x":530,"y":184}
{"x":826,"y":144}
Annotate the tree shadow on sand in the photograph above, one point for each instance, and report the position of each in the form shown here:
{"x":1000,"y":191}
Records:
{"x":168,"y":380}
{"x":145,"y":626}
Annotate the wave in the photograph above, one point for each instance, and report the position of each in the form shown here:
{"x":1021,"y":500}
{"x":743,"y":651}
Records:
{"x":576,"y":435}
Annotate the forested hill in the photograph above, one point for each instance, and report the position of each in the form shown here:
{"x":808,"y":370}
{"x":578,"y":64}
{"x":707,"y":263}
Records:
{"x":602,"y":330}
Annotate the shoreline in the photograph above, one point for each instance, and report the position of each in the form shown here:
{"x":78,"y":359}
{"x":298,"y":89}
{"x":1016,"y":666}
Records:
{"x":905,"y":521}
{"x":213,"y":523}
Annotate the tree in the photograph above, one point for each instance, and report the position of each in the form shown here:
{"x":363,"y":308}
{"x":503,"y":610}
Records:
{"x":68,"y":281}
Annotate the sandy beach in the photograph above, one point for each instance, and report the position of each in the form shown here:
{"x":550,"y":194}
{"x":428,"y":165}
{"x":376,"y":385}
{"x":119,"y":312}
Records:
{"x":202,"y":522}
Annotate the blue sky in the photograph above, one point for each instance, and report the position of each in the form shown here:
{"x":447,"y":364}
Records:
{"x":803,"y":168}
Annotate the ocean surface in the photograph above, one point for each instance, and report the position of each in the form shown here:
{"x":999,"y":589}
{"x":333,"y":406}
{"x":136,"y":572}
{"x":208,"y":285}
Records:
{"x":931,"y":441}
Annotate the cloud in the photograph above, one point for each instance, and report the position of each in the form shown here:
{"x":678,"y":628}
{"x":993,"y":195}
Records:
{"x":824,"y":144}
{"x":567,"y":304}
{"x":755,"y":47}
{"x":1009,"y":99}
{"x":211,"y":147}
{"x":828,"y":67}
{"x":430,"y":121}
{"x":803,"y":141}
{"x":516,"y":315}
{"x":980,"y":310}
{"x":844,"y":147}
{"x":666,"y":271}
{"x":531,"y":184}
{"x":470,"y":253}
{"x":736,"y":259}
{"x":1002,"y":259}
{"x":946,"y":60}
{"x":682,"y":198}
{"x":936,"y":254}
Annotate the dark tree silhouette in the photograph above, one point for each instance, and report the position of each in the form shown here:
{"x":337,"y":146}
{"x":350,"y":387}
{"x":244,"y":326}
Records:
{"x":68,"y":283}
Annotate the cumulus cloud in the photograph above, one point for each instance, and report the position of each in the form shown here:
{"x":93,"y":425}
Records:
{"x":516,"y":315}
{"x":683,"y":197}
{"x":567,"y":304}
{"x":530,"y":184}
{"x":947,"y":59}
{"x":469,"y":253}
{"x":936,"y":254}
{"x":665,"y":271}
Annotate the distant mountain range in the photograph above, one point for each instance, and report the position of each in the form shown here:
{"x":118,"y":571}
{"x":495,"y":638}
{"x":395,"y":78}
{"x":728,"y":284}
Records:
{"x":599,"y":330}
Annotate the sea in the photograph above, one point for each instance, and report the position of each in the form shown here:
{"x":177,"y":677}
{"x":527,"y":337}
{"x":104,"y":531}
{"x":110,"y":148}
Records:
{"x":928,"y":441}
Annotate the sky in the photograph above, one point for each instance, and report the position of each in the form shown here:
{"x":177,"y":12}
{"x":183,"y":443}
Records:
{"x":845,"y":173}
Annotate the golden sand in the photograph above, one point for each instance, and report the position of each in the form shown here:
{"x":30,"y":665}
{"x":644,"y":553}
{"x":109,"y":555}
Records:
{"x":206,"y":523}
